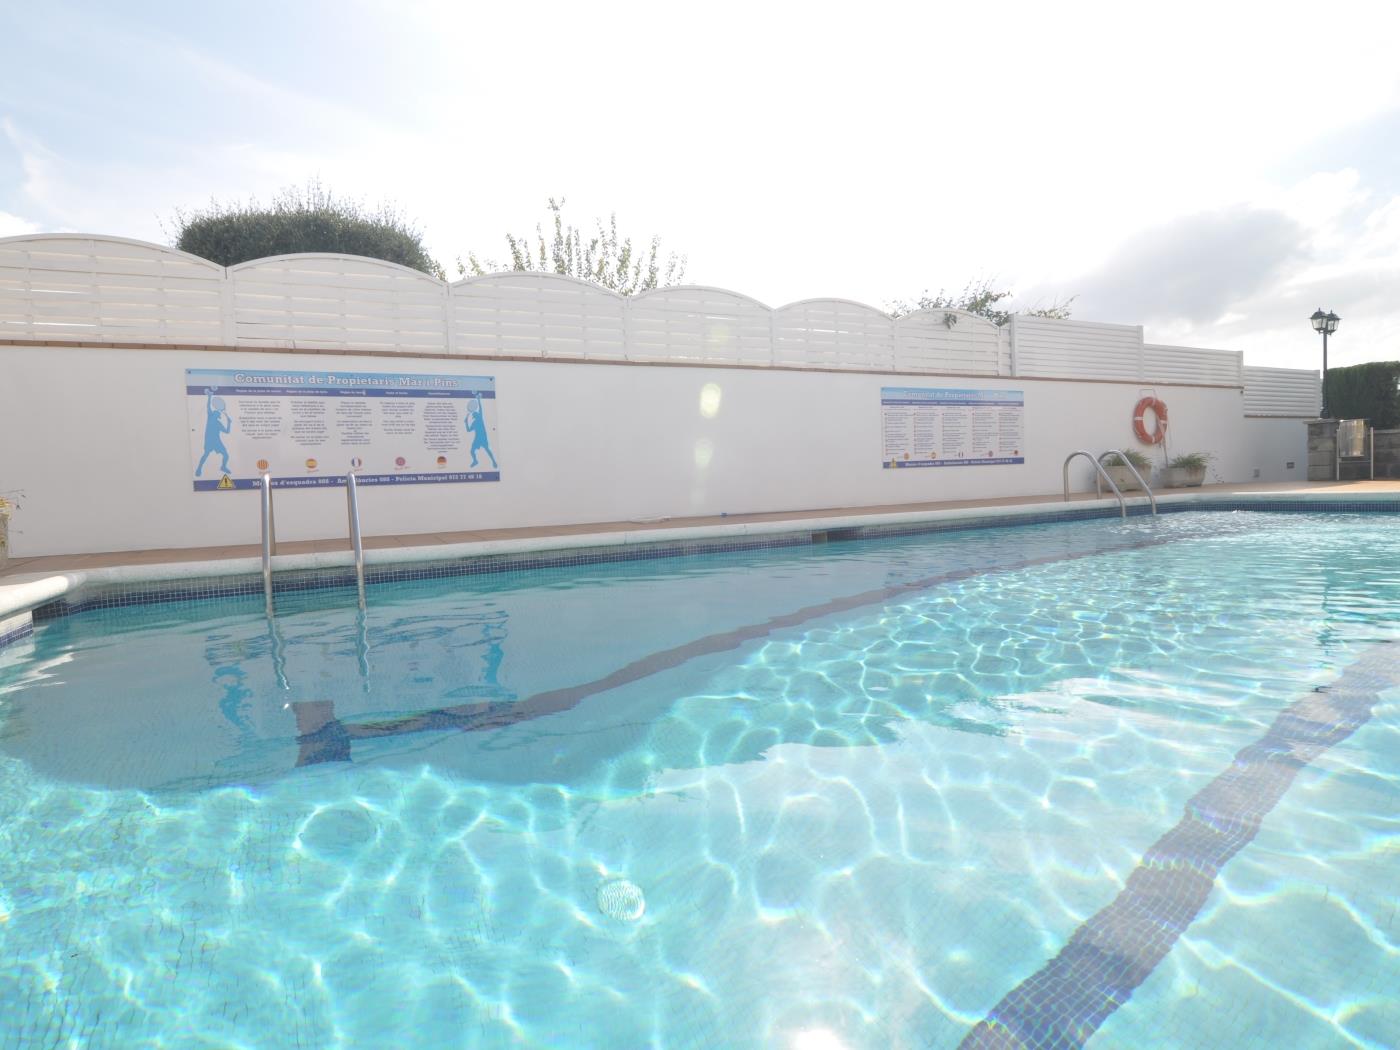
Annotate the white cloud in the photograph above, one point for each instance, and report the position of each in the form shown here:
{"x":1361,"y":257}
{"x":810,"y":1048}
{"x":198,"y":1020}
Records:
{"x":799,"y":151}
{"x":35,"y":163}
{"x":14,"y":226}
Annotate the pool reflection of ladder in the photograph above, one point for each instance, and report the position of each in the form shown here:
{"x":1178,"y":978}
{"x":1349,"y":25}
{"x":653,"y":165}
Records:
{"x":269,"y":538}
{"x":1101,"y":475}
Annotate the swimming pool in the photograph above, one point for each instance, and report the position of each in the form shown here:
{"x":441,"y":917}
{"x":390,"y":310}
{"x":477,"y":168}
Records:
{"x":1130,"y":783}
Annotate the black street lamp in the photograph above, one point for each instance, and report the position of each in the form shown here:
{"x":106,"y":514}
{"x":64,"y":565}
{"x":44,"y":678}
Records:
{"x":1326,"y":323}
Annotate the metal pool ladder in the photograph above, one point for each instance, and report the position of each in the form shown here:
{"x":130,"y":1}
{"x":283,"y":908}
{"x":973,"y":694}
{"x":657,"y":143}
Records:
{"x":269,"y":541}
{"x":352,"y":511}
{"x":269,"y":538}
{"x":1101,"y":475}
{"x":1123,"y":457}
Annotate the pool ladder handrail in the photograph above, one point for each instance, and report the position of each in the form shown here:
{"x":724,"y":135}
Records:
{"x":1123,"y":458}
{"x":357,"y":547}
{"x":269,"y":541}
{"x":269,"y":538}
{"x":1101,"y":473}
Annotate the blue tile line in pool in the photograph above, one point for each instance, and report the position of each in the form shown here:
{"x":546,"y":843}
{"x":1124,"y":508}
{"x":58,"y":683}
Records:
{"x":1062,"y":1005}
{"x":23,"y":629}
{"x":295,"y":580}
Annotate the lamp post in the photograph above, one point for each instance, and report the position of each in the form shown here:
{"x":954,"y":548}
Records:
{"x":1326,"y":323}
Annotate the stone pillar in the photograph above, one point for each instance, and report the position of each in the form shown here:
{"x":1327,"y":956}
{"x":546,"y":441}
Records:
{"x":1322,"y":450}
{"x":1387,"y":453}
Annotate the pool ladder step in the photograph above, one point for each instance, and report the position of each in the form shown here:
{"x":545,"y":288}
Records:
{"x":269,"y":538}
{"x":1101,"y":475}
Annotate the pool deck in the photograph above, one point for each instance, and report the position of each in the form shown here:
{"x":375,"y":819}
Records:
{"x":27,"y":582}
{"x":58,"y":563}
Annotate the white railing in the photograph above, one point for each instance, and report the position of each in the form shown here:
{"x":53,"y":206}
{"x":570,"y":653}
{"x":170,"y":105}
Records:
{"x":1041,"y":346}
{"x":1282,"y":392}
{"x":337,"y":301}
{"x":704,"y":325}
{"x":536,"y":315}
{"x":106,"y":289}
{"x":74,"y":288}
{"x":1190,"y":364}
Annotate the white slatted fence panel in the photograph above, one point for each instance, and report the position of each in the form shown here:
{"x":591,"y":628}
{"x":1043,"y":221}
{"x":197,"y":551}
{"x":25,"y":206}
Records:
{"x":1190,"y":364}
{"x":1282,"y":392}
{"x":80,"y":288}
{"x":925,"y":342}
{"x":537,"y":315}
{"x":699,"y":324}
{"x":1076,"y":349}
{"x":107,"y":290}
{"x":338,"y":302}
{"x":833,"y":333}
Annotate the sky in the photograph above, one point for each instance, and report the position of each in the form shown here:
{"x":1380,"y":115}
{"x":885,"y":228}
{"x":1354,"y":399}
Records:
{"x":1213,"y":171}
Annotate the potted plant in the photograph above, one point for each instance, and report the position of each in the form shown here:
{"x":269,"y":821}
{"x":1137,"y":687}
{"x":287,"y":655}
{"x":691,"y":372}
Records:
{"x":1122,"y":476}
{"x":7,"y":507}
{"x":1186,"y":471}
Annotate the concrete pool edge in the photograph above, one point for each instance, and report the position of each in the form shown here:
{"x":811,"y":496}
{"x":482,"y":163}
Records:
{"x":22,"y":594}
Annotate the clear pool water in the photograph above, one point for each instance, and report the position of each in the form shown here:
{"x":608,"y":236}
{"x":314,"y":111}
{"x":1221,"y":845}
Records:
{"x":844,"y":796}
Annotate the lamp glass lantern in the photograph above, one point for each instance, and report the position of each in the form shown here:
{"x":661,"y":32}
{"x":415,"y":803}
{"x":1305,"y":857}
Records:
{"x":1324,"y":323}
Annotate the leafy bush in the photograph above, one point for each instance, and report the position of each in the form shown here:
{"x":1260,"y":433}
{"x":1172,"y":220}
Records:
{"x":1370,"y":391}
{"x":981,"y":298}
{"x":1136,"y":458}
{"x":603,"y":257}
{"x":1190,"y":461}
{"x":302,"y":220}
{"x":9,"y":503}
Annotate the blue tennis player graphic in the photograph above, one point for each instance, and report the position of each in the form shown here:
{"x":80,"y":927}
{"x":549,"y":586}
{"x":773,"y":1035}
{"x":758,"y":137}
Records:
{"x":217,"y":423}
{"x":476,"y":426}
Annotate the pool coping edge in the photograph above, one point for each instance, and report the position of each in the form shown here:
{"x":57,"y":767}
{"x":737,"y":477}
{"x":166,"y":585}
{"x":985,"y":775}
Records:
{"x":23,"y":593}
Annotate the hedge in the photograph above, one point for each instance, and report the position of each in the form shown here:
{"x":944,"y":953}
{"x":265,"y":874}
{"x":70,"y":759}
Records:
{"x":1370,"y":391}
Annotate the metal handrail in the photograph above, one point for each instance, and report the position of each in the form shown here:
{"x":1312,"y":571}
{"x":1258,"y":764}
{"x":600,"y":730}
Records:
{"x":352,"y":510}
{"x":362,"y":649}
{"x":277,"y":645}
{"x":1122,"y":503}
{"x":1123,"y":456}
{"x":269,"y":540}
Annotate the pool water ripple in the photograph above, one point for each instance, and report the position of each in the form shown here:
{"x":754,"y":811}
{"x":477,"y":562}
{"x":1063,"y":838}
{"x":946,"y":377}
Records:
{"x":862,"y":829}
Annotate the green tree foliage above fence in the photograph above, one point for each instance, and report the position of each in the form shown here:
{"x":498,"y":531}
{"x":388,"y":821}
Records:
{"x":603,"y":257}
{"x":981,"y":298}
{"x":1370,"y":391}
{"x":310,"y":219}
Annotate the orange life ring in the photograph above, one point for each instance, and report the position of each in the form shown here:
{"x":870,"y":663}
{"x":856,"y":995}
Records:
{"x":1159,"y":409}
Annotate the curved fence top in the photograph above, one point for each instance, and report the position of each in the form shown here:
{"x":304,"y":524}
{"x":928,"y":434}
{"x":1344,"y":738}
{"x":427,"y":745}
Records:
{"x":329,"y":262}
{"x":88,"y":245}
{"x":81,"y":288}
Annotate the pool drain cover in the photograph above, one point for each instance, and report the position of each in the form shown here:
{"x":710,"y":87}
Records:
{"x":620,"y":899}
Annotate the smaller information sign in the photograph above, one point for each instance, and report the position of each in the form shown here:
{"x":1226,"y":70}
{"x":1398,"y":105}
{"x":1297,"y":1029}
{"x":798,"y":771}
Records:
{"x":935,"y":427}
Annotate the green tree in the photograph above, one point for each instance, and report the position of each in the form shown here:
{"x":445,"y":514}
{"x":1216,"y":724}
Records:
{"x":302,"y":219}
{"x":981,"y":298}
{"x":603,"y":257}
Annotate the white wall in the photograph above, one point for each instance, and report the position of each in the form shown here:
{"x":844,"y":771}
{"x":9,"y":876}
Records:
{"x":97,"y":439}
{"x":1271,"y":444}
